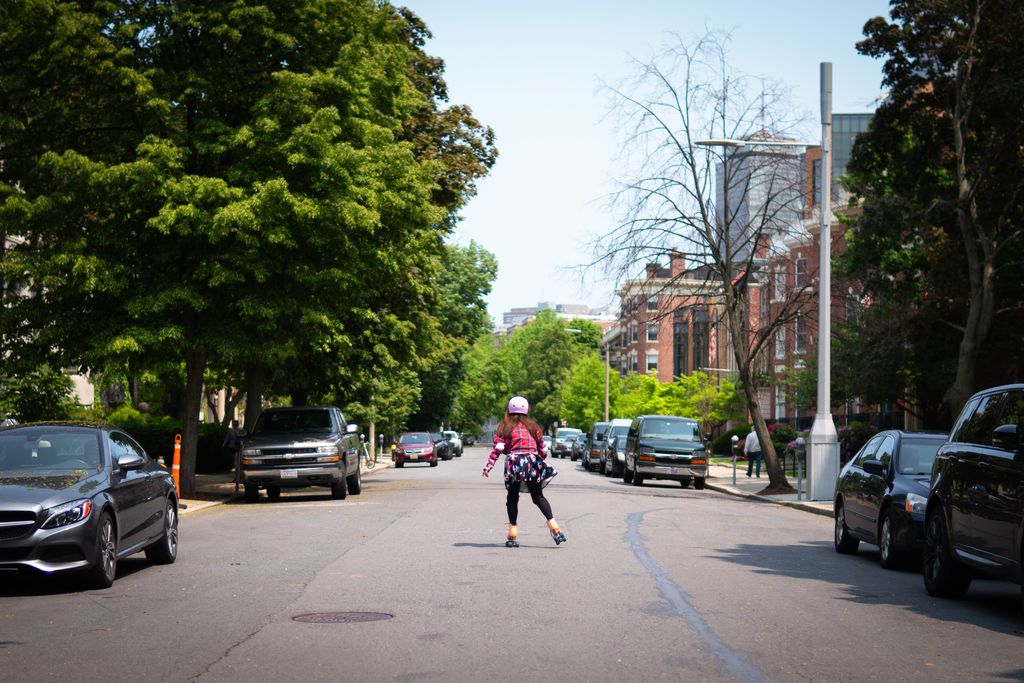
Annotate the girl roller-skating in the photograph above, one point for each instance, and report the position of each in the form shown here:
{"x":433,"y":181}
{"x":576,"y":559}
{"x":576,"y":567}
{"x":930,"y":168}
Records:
{"x":519,"y":438}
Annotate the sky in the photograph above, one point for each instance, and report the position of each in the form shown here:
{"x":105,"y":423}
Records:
{"x":533,"y":70}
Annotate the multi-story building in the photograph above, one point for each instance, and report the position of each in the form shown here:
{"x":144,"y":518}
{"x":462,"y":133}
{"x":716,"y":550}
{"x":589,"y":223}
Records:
{"x":670,"y":324}
{"x":666,"y":322}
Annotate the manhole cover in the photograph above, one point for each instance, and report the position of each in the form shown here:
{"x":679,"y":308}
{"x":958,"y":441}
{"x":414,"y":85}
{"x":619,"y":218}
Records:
{"x":341,"y":617}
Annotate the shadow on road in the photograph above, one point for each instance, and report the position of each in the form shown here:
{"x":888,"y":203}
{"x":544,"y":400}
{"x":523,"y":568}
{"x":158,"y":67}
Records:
{"x":993,"y":605}
{"x":22,"y":583}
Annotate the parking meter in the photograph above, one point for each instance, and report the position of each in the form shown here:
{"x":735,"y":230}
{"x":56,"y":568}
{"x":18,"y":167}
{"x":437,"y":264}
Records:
{"x":735,"y":451}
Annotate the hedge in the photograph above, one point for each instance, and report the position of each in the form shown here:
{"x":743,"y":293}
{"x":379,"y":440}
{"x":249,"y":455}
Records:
{"x":156,"y":435}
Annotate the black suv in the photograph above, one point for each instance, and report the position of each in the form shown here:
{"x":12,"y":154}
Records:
{"x":592,"y":454}
{"x":665,"y":447}
{"x":973,"y":519}
{"x":296,"y":447}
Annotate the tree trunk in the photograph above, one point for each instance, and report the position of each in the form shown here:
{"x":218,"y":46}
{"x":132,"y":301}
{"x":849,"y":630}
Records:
{"x":777,"y":479}
{"x":195,"y":364}
{"x":978,"y":246}
{"x":253,"y":396}
{"x":232,"y":399}
{"x":740,"y":336}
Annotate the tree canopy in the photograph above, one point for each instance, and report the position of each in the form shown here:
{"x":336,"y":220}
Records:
{"x":262,"y":187}
{"x":938,"y":243}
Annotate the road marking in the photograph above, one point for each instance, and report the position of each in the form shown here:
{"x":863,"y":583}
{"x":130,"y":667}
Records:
{"x":679,"y":601}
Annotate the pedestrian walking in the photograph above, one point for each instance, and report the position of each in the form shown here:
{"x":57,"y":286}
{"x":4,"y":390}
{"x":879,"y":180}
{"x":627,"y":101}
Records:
{"x":231,"y":444}
{"x":519,"y":438}
{"x":752,"y":449}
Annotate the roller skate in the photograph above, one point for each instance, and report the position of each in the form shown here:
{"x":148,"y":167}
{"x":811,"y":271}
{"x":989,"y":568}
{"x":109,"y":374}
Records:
{"x":513,"y":537}
{"x":556,"y":532}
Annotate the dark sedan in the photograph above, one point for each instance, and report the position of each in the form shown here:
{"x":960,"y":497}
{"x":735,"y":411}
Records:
{"x":79,"y":498}
{"x":442,"y":446}
{"x":882,"y":493}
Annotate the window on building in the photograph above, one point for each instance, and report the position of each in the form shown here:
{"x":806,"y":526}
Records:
{"x":632,"y":361}
{"x":652,"y":303}
{"x":816,"y":181}
{"x":764,"y":309}
{"x":801,"y":334}
{"x":632,"y":333}
{"x":700,"y":337}
{"x":780,"y":402}
{"x":780,"y":283}
{"x":801,"y":273}
{"x":780,"y":343}
{"x":652,"y":362}
{"x":652,"y":331}
{"x":680,"y":344}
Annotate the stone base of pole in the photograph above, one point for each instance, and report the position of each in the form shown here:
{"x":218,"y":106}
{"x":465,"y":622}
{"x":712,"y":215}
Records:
{"x":822,"y":458}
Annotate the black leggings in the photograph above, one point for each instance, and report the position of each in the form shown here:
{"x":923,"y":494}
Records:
{"x":536,"y":492}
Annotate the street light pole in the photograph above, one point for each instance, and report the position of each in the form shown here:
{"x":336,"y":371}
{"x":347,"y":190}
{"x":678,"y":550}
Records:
{"x":823,"y":460}
{"x":607,"y":372}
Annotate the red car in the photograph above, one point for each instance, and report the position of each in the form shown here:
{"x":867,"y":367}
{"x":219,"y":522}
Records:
{"x":415,"y":447}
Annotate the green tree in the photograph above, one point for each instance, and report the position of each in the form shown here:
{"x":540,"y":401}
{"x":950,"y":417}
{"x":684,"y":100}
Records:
{"x":41,"y":393}
{"x":940,"y":175}
{"x":710,"y":399}
{"x":484,"y":388}
{"x":583,"y":392}
{"x":465,"y":280}
{"x":223,"y":184}
{"x":539,"y":356}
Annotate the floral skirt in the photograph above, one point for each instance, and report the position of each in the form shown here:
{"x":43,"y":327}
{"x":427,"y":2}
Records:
{"x":524,"y":468}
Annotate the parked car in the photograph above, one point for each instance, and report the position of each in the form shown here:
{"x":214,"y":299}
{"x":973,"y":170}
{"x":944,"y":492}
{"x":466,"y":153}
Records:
{"x":882,"y":492}
{"x":455,"y":440}
{"x":78,"y":498}
{"x":298,"y":447}
{"x":579,"y":447}
{"x":595,"y":446}
{"x":548,"y":443}
{"x":615,"y":447}
{"x":415,"y":447}
{"x":563,"y":446}
{"x":441,"y":446}
{"x":665,"y":447}
{"x":973,"y":522}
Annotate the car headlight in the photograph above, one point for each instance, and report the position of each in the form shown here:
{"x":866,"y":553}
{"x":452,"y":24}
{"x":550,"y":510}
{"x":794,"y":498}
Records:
{"x":251,"y":452}
{"x":327,"y":450}
{"x":916,"y":503}
{"x":67,"y":514}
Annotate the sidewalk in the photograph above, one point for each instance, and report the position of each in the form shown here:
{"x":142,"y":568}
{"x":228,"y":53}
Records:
{"x":720,"y":478}
{"x":215,"y":489}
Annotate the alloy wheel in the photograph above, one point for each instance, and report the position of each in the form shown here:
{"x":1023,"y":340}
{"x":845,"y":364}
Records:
{"x":108,"y":550}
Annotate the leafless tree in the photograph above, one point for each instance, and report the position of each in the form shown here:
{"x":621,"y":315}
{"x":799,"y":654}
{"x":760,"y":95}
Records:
{"x":734,"y":211}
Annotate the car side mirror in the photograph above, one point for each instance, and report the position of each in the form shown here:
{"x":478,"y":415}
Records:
{"x":130,"y":461}
{"x":874,"y":467}
{"x":351,"y":428}
{"x":1005,"y":436}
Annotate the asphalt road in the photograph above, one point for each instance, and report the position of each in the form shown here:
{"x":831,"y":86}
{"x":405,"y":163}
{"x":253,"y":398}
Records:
{"x":654,"y":583}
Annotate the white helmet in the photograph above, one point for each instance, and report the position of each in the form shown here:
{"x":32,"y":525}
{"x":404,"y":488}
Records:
{"x":518,"y":405}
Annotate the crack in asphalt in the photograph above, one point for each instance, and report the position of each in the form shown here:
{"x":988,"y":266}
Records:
{"x":681,"y":606}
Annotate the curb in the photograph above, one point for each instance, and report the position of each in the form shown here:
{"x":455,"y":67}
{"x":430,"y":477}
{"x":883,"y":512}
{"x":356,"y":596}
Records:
{"x":188,"y":505}
{"x":795,"y":504}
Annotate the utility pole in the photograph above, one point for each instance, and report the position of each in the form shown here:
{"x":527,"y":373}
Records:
{"x":607,"y":372}
{"x":823,"y":460}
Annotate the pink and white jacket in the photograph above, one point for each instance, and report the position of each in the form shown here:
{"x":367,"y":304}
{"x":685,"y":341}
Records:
{"x":521,"y":442}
